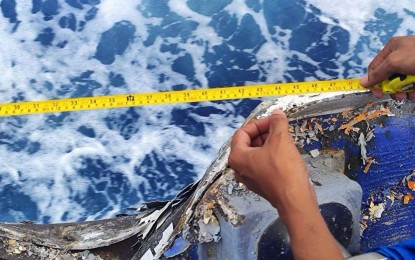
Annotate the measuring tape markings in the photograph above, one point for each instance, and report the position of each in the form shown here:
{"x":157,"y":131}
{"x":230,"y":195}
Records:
{"x":179,"y":96}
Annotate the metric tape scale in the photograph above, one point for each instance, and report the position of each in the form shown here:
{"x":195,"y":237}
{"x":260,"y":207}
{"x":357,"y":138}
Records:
{"x":182,"y":96}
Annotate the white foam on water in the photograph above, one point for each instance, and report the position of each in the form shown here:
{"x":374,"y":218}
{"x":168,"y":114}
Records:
{"x":51,"y":176}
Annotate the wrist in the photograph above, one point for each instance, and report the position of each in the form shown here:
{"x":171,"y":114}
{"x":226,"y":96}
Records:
{"x":295,"y":202}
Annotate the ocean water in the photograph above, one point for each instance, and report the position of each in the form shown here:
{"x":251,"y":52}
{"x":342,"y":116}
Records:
{"x":92,"y":165}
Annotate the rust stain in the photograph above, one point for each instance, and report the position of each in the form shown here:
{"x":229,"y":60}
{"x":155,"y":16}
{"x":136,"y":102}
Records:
{"x":346,"y":114}
{"x":407,"y":198}
{"x":320,"y":128}
{"x":213,"y":202}
{"x":365,"y":115}
{"x":369,"y":163}
{"x":208,"y":212}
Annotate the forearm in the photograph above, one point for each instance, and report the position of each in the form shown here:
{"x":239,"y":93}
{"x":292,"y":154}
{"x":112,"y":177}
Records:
{"x":309,"y":236}
{"x":311,"y":239}
{"x":273,"y":168}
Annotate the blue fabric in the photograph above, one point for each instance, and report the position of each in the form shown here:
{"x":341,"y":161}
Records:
{"x":403,"y":250}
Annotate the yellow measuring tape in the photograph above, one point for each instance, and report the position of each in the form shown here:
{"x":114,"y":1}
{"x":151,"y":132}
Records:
{"x":396,"y":83}
{"x":180,"y":96}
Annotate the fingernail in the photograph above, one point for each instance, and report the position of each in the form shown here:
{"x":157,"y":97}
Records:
{"x":278,"y":112}
{"x":364,"y":80}
{"x":377,"y":93}
{"x":400,"y":96}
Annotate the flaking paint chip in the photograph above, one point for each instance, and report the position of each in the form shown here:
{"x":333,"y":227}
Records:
{"x":411,"y":185}
{"x":407,"y":198}
{"x":314,"y":153}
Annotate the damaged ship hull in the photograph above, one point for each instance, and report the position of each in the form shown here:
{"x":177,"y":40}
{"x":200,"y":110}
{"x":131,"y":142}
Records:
{"x":359,"y":153}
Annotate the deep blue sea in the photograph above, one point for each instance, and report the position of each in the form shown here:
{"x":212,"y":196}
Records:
{"x":91,"y":165}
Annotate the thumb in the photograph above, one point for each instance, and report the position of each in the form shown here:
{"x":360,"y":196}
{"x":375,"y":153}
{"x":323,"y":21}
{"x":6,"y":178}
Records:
{"x":278,"y":129}
{"x":278,"y":124}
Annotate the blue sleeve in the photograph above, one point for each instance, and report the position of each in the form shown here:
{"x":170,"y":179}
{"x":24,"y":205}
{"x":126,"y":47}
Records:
{"x":403,"y":250}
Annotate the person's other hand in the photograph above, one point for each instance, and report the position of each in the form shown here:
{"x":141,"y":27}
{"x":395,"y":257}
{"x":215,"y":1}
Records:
{"x":398,"y":56}
{"x":266,"y":160}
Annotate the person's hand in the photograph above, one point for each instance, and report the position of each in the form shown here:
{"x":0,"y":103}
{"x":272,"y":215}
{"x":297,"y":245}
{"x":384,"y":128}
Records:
{"x":398,"y":56}
{"x":266,"y":160}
